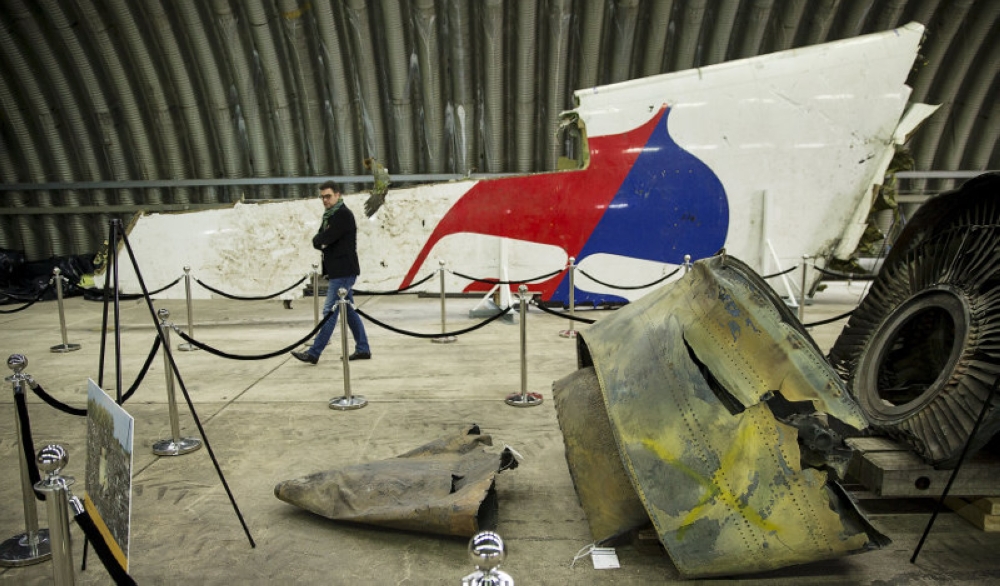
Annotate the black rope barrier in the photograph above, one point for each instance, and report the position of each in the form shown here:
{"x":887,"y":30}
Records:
{"x":104,"y":553}
{"x":849,"y":276}
{"x":96,"y":294}
{"x":430,"y":336}
{"x":632,"y":287}
{"x":778,"y":274}
{"x":28,"y":443}
{"x":284,"y":350}
{"x":830,"y":320}
{"x":104,"y":293}
{"x":165,"y":287}
{"x":257,"y":298}
{"x":57,"y":404}
{"x":28,"y":303}
{"x":567,"y":316}
{"x":499,"y":282}
{"x":397,"y":291}
{"x":142,"y":373}
{"x":53,"y":402}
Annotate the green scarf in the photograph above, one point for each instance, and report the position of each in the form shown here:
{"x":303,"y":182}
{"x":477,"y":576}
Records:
{"x":327,"y":214}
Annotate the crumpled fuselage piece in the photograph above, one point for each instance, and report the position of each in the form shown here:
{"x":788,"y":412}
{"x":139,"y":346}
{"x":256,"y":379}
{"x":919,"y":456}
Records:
{"x":706,"y":384}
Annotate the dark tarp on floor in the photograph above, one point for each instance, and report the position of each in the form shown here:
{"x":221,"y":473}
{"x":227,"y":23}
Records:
{"x":22,"y":281}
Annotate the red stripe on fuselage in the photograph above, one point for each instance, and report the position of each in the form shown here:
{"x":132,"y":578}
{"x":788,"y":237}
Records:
{"x":560,"y":208}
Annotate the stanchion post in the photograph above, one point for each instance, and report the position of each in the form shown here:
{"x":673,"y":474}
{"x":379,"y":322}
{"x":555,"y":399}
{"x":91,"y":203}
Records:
{"x":524,"y":398}
{"x":443,"y":338}
{"x":487,"y":552}
{"x":65,"y":346}
{"x":571,"y":332}
{"x":687,"y":263}
{"x":187,"y":346}
{"x":176,"y":445}
{"x":51,"y":460}
{"x":32,"y":546}
{"x":348,"y":401}
{"x":802,"y":291}
{"x":315,"y":284}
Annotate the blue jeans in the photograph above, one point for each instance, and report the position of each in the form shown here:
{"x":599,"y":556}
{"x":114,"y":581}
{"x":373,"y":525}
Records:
{"x":353,"y":319}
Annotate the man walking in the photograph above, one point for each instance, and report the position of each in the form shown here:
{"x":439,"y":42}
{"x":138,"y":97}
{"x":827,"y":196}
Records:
{"x":337,"y":239}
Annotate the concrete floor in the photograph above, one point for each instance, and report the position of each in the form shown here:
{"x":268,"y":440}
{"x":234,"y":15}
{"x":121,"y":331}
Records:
{"x":268,"y":420}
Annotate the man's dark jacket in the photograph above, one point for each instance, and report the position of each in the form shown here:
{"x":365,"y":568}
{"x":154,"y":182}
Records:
{"x":338,"y":241}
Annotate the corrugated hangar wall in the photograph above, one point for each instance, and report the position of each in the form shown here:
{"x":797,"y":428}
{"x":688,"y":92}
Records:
{"x":112,"y":106}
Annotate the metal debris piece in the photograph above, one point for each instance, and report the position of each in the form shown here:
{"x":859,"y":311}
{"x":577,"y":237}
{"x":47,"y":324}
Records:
{"x":605,"y":491}
{"x":728,"y":424}
{"x":444,"y":487}
{"x":380,"y":186}
{"x":922,"y":350}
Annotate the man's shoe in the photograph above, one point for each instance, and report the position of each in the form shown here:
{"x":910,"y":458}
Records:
{"x":360,"y":356}
{"x":305,"y":357}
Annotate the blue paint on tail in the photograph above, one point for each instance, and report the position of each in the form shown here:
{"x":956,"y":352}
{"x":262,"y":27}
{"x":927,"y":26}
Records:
{"x":670,"y":204}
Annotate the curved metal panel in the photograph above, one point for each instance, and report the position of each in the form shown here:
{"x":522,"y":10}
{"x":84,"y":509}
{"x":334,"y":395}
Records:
{"x":404,"y":131}
{"x":462,"y":110}
{"x":716,"y":397}
{"x":339,"y":91}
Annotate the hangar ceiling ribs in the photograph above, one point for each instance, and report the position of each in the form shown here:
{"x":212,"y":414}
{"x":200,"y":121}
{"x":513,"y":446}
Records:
{"x":97,"y":95}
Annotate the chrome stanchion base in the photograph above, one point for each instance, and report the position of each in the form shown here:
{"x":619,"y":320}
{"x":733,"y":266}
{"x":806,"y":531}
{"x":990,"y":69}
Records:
{"x":186,"y":347}
{"x":169,"y":447}
{"x":18,"y":551}
{"x":63,"y":348}
{"x":524,"y":400}
{"x":348,"y":403}
{"x":444,"y":340}
{"x":567,"y":334}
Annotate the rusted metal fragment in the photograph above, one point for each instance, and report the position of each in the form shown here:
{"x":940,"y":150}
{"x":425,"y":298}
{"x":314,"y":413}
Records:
{"x":444,"y":487}
{"x":605,"y":491}
{"x":707,"y":384}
